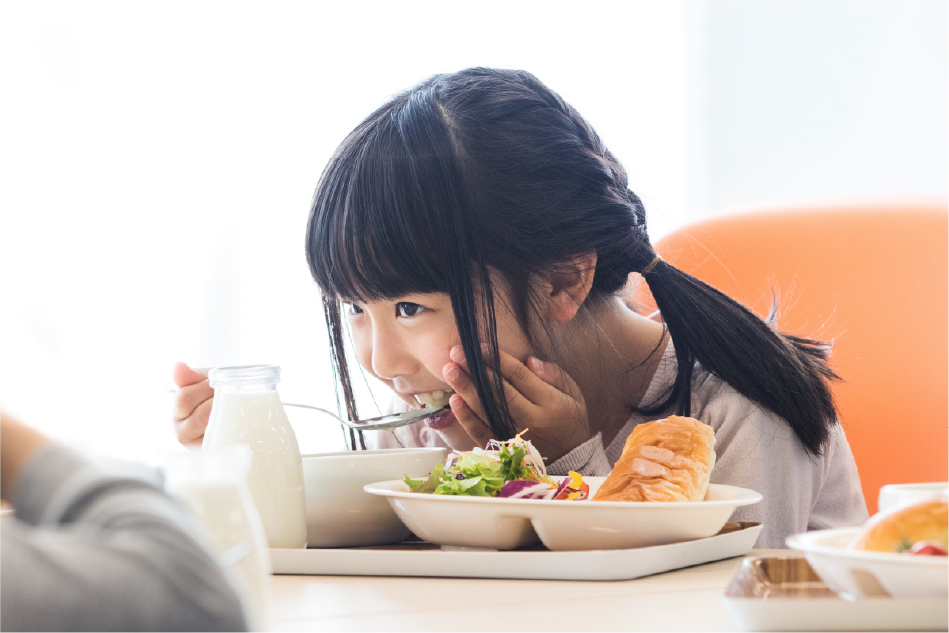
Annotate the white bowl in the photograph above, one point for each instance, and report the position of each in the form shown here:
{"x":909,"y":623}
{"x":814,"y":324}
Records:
{"x":901,"y":494}
{"x":339,"y":513}
{"x":857,"y":574}
{"x":496,"y":523}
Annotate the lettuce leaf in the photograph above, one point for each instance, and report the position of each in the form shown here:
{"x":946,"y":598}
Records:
{"x":481,"y":475}
{"x":476,"y":486}
{"x":474,"y":466}
{"x":512,"y":463}
{"x":428,"y":485}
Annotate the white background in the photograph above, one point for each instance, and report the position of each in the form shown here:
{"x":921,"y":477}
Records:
{"x":157,"y":158}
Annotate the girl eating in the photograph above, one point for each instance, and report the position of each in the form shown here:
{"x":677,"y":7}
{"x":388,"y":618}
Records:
{"x":474,"y":235}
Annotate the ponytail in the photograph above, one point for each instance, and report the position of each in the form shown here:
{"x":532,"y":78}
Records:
{"x":785,"y":374}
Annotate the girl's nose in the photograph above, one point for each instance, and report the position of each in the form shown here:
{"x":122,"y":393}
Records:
{"x":390,"y":356}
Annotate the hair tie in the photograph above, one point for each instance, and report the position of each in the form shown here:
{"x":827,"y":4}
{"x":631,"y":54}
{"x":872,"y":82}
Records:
{"x":650,"y":266}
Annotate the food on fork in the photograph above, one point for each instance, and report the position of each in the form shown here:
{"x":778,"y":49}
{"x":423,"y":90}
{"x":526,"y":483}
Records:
{"x":919,"y":528}
{"x":665,"y":460}
{"x":435,"y":399}
{"x":504,"y":469}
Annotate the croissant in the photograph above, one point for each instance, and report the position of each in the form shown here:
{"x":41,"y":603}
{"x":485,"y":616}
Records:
{"x":665,"y":460}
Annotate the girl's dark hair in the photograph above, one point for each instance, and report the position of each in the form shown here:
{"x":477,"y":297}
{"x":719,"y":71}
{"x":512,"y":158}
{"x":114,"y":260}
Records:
{"x":488,"y":170}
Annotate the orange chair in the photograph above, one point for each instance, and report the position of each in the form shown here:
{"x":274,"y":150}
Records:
{"x":871,"y":279}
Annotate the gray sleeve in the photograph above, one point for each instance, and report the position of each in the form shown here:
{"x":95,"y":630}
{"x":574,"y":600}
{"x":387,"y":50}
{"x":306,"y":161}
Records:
{"x":104,"y":548}
{"x":757,"y":450}
{"x":840,"y":501}
{"x":587,"y":459}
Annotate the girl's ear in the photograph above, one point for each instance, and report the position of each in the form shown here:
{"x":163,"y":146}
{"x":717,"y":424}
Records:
{"x":569,"y":285}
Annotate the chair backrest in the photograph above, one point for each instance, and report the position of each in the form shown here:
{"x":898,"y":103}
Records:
{"x":875,"y":281}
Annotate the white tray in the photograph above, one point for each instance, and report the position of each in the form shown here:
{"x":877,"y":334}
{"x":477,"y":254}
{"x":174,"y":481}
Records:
{"x":837,"y":614}
{"x":424,"y":559}
{"x":783,"y":593}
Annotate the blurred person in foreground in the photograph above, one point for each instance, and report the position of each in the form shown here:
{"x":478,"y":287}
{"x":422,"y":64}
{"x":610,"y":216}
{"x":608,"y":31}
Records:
{"x":97,"y":546}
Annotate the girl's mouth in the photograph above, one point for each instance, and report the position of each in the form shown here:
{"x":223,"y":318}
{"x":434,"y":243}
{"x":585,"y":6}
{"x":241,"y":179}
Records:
{"x":436,"y":400}
{"x":441,"y":421}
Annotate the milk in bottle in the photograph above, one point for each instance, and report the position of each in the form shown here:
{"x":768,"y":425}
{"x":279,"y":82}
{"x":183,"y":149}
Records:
{"x":247,"y":410}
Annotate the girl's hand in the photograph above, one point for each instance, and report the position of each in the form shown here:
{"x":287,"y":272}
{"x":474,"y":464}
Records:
{"x":192,"y":404}
{"x":540,"y":396}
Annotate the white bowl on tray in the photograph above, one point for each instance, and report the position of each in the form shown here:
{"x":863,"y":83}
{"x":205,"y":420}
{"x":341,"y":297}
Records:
{"x":893,"y":495}
{"x":503,"y":524}
{"x":339,"y":513}
{"x":855,"y":574}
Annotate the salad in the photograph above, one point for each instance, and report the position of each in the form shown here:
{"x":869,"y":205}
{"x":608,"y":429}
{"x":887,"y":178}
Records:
{"x":512,"y":469}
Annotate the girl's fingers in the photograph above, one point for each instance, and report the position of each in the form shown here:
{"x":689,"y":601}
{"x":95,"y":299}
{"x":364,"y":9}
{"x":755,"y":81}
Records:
{"x":193,"y":400}
{"x":189,"y":398}
{"x":190,"y":430}
{"x":183,"y":375}
{"x":466,"y":405}
{"x":525,"y":386}
{"x":522,"y":380}
{"x":538,"y":381}
{"x":540,"y":396}
{"x":461,"y":382}
{"x":557,"y":378}
{"x":515,"y":378}
{"x":479,"y":432}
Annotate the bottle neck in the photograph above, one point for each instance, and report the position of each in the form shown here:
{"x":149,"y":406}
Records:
{"x":245,"y":387}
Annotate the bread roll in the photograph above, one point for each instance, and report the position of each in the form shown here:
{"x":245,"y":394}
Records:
{"x":665,"y":460}
{"x":902,"y":527}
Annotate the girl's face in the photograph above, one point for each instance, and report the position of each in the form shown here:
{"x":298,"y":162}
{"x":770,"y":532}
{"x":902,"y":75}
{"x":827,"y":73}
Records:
{"x":405,"y":343}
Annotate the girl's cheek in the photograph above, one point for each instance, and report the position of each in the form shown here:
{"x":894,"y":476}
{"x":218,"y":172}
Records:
{"x":364,"y":357}
{"x":362,"y":344}
{"x":439,"y":348}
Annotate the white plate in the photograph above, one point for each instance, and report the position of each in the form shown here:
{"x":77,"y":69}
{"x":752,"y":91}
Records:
{"x":424,"y":559}
{"x":859,"y":574}
{"x":495,"y":523}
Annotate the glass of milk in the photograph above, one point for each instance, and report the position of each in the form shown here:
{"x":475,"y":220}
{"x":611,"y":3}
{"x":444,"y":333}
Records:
{"x":247,"y":411}
{"x":213,"y":485}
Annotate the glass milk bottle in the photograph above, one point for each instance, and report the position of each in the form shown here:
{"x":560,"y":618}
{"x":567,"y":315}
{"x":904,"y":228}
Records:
{"x":213,"y":485}
{"x":248,"y":411}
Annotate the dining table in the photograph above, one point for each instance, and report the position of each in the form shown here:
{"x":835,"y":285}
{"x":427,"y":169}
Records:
{"x":689,"y":599}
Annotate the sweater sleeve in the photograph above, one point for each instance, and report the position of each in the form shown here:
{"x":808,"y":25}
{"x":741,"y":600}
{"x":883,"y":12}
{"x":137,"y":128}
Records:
{"x":840,"y":501}
{"x":757,"y":450}
{"x":587,"y":459}
{"x":102,"y":547}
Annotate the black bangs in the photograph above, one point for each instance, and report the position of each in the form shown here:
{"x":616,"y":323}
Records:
{"x":388,"y":207}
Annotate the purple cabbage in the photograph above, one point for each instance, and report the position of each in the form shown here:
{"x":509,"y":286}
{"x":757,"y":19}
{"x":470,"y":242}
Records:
{"x":520,"y":489}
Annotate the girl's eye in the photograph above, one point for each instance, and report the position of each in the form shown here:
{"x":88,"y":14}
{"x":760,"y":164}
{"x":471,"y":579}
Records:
{"x":352,"y":308}
{"x":406,"y":309}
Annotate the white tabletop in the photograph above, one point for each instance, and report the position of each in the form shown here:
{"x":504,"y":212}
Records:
{"x":683,"y":600}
